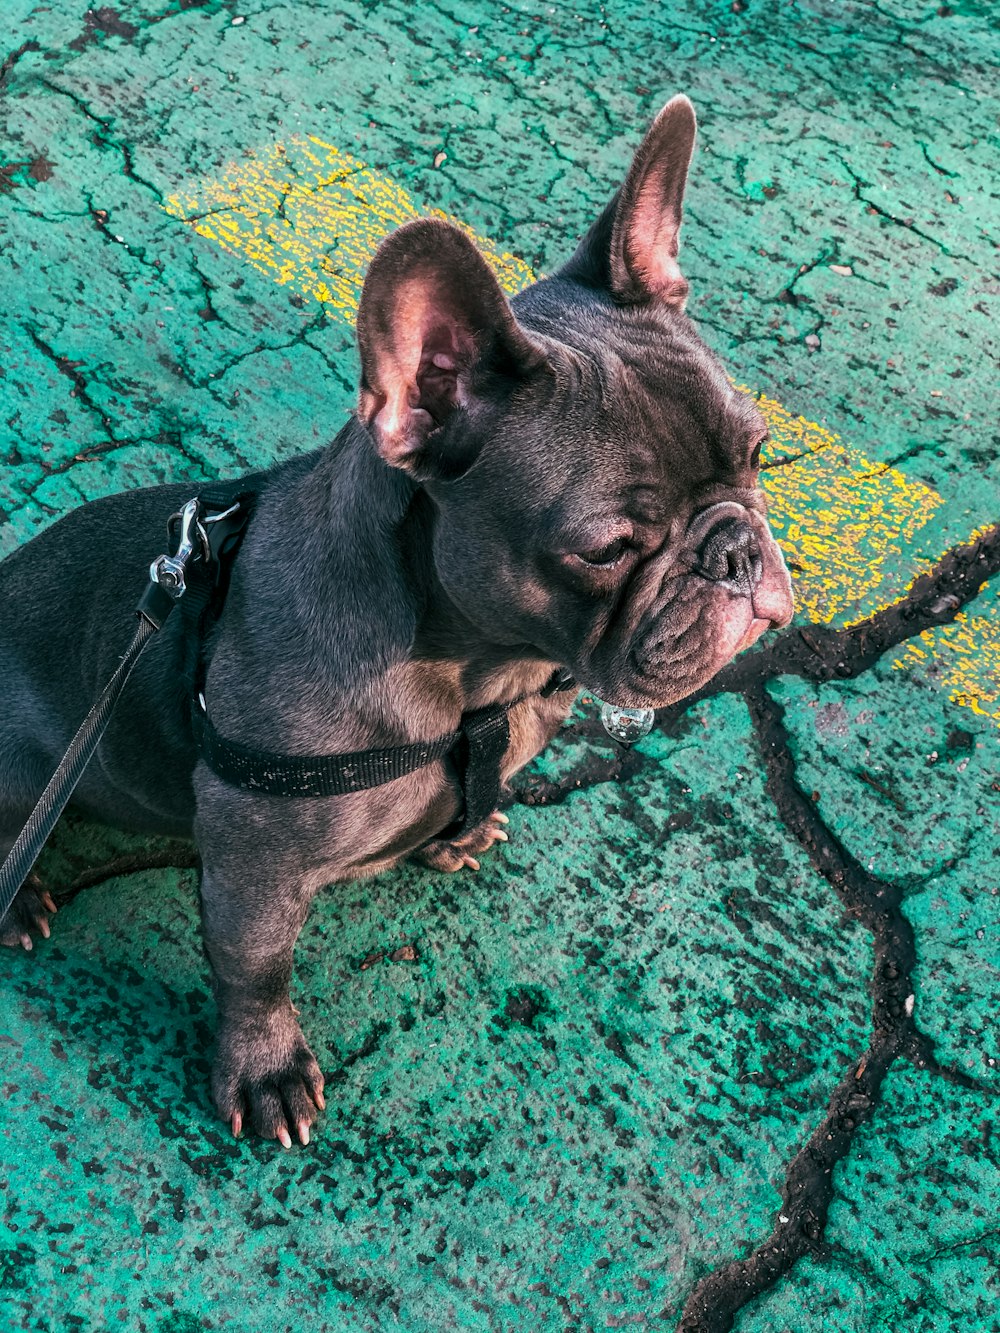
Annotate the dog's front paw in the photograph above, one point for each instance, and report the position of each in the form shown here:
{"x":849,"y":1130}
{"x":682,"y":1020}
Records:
{"x":458,"y":853}
{"x":266,"y":1077}
{"x":30,"y":911}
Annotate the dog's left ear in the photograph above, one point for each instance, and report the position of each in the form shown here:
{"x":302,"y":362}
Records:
{"x":631,"y":251}
{"x":434,"y":329}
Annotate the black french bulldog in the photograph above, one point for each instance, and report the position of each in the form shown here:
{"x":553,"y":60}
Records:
{"x":565,"y":479}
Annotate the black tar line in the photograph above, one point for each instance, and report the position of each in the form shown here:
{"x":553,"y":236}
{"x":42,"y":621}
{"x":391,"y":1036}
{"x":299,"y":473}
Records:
{"x":176,"y":856}
{"x":808,"y":1187}
{"x":821,"y":654}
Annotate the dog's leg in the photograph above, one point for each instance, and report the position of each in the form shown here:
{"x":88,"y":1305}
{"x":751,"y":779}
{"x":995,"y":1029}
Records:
{"x":264,"y":1074}
{"x":458,"y":853}
{"x":28,"y":913}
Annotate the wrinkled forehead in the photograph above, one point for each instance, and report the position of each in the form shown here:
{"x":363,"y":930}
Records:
{"x":664,"y":360}
{"x":642,"y":407}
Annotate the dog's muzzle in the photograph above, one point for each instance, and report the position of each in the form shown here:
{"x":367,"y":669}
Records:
{"x":727,"y":548}
{"x":732,"y":548}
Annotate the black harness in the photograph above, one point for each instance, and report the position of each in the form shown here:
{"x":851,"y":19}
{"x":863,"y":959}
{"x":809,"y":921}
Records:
{"x":476,"y":749}
{"x":208,"y":532}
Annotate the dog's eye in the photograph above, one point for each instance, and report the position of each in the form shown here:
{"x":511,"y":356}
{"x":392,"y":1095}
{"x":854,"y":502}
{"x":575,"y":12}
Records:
{"x":755,"y":456}
{"x":605,"y":556}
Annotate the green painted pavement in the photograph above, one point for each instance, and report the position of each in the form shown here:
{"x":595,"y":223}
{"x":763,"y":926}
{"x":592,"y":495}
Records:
{"x":572,"y":1100}
{"x":912,"y":1233}
{"x":910,"y":785}
{"x":580,"y":1094}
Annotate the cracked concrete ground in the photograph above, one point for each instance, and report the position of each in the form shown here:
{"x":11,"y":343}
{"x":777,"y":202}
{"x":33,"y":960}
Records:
{"x":712,"y":1043}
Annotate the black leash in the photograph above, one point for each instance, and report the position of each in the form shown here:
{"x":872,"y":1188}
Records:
{"x":209,"y":531}
{"x":188,"y":573}
{"x":42,"y":820}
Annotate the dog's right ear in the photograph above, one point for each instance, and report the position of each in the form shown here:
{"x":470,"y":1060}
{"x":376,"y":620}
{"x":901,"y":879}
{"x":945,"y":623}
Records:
{"x":433,"y":326}
{"x":631,"y":251}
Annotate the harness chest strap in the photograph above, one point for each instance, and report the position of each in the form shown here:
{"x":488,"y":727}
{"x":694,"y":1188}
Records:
{"x":477,"y":748}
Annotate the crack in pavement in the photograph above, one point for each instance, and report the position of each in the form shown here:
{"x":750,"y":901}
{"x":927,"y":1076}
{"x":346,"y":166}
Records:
{"x":104,"y":137}
{"x":69,"y":368}
{"x":808,"y":1191}
{"x":80,"y":390}
{"x":859,"y":184}
{"x":806,"y":1197}
{"x":9,"y":61}
{"x":820,"y":653}
{"x":101,"y":220}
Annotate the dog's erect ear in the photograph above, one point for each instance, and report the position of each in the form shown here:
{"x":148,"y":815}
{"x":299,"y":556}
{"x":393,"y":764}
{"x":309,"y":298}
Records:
{"x":631,"y":251}
{"x":433,"y":327}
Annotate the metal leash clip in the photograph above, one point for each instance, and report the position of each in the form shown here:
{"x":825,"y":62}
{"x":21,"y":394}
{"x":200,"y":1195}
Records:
{"x":168,"y":570}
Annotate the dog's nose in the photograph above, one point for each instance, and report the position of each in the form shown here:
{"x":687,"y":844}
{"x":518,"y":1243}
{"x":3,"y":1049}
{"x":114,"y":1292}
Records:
{"x":730,"y":554}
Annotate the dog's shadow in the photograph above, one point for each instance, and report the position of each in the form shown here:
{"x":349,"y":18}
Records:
{"x":122,"y":988}
{"x":119,"y":994}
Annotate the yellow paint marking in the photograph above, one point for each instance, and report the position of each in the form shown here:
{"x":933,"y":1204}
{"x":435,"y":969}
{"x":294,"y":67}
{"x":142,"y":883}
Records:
{"x":963,"y":658}
{"x":309,"y":216}
{"x":840,"y":522}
